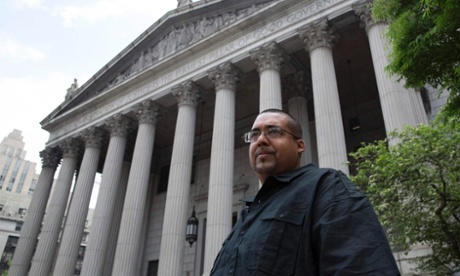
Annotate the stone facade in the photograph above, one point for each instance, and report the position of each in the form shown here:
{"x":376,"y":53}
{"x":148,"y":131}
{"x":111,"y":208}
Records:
{"x":190,"y":86}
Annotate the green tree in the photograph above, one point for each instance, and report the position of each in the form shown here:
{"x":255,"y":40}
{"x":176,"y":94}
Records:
{"x":425,"y":40}
{"x":415,"y":188}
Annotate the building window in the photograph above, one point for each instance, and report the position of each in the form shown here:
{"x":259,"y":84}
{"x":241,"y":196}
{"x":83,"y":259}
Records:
{"x":153,"y":268}
{"x":13,"y":175}
{"x":18,"y":226}
{"x":8,"y":252}
{"x":22,"y":178}
{"x":1,"y":207}
{"x":32,"y":186}
{"x":5,"y":170}
{"x":22,"y":211}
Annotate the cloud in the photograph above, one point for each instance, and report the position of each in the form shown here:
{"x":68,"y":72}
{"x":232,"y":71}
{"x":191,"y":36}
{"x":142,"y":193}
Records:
{"x":105,"y":10}
{"x":12,"y":50}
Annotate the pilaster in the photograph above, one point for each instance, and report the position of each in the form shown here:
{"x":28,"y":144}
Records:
{"x":96,"y":250}
{"x":46,"y":247}
{"x":319,"y":40}
{"x":132,"y":220}
{"x":171,"y":258}
{"x":219,"y":218}
{"x":298,"y":87}
{"x":78,"y":209}
{"x":51,"y":158}
{"x":269,"y":60}
{"x":400,"y":106}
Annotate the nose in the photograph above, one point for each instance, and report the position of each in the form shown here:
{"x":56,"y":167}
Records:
{"x":262,"y":139}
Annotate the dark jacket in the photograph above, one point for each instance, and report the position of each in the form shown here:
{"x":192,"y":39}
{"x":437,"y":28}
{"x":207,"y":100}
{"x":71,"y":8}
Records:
{"x":307,"y":222}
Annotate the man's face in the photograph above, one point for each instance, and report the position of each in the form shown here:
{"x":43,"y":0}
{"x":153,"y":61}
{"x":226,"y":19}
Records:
{"x":273,"y":156}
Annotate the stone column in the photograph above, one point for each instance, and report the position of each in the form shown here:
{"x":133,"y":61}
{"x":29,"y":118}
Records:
{"x":332,"y":151}
{"x":298,"y":86}
{"x":98,"y":242}
{"x":226,"y":77}
{"x":173,"y":242}
{"x":46,"y":247}
{"x":399,"y":107}
{"x":118,"y":210}
{"x":35,"y":213}
{"x":269,"y":60}
{"x":129,"y":237}
{"x":78,"y":209}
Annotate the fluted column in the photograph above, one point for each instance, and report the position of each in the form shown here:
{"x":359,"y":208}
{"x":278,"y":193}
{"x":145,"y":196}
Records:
{"x":269,"y":60}
{"x":332,"y":151}
{"x":226,"y":77}
{"x":78,"y":209}
{"x":96,"y":249}
{"x":130,"y":234}
{"x":297,"y":86}
{"x":46,"y":247}
{"x":36,"y":211}
{"x":173,"y":242}
{"x":400,"y":106}
{"x":118,"y":210}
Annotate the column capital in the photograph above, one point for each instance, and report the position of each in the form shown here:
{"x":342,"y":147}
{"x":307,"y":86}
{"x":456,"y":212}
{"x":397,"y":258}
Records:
{"x":188,"y":93}
{"x":149,"y":112}
{"x":119,"y":125}
{"x":226,"y":76}
{"x":93,"y":137}
{"x":318,"y":34}
{"x":51,"y":157}
{"x":364,"y":14}
{"x":297,"y":84}
{"x":270,"y":56}
{"x":71,"y":147}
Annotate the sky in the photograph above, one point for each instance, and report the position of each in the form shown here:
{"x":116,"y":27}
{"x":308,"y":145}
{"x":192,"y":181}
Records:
{"x":46,"y":44}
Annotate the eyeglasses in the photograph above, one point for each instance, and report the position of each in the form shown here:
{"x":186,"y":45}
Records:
{"x":271,"y":132}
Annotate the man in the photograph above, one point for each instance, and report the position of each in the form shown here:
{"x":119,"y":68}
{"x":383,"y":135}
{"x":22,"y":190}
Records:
{"x":304,"y":220}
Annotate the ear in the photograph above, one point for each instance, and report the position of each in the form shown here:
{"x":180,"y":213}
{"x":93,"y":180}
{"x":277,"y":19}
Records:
{"x":300,"y":146}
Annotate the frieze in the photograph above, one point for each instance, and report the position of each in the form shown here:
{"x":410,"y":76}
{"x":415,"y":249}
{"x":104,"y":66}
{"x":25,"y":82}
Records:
{"x":259,"y":34}
{"x":180,"y":37}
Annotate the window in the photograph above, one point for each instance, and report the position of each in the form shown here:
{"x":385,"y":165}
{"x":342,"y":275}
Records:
{"x":4,"y":149}
{"x":32,"y":186}
{"x":10,"y":151}
{"x":22,"y":211}
{"x":13,"y":175}
{"x":1,"y":207}
{"x":8,"y":253}
{"x":153,"y":268}
{"x":22,"y":178}
{"x":5,"y":170}
{"x":18,"y":226}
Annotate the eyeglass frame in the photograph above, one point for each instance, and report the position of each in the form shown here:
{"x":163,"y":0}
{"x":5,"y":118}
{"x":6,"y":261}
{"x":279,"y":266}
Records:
{"x":248,"y":140}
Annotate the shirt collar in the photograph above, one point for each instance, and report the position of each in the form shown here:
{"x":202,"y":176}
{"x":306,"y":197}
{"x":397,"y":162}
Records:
{"x":289,"y":176}
{"x":271,"y":184}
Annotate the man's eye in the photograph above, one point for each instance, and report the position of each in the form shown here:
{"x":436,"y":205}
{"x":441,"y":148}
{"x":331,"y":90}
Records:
{"x":255,"y":134}
{"x":273,"y":130}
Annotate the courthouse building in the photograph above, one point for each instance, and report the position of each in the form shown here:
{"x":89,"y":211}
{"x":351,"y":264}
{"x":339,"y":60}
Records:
{"x":162,"y":122}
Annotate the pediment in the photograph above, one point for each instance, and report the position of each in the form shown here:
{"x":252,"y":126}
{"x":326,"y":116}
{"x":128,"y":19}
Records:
{"x":176,"y":31}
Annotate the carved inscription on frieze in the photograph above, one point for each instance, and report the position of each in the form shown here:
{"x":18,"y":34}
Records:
{"x":127,"y":99}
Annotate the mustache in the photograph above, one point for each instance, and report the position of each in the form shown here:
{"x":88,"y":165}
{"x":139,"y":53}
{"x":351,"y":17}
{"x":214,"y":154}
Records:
{"x":263,"y":151}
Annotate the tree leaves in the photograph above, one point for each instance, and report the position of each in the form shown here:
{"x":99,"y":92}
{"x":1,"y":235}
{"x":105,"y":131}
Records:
{"x":425,"y":40}
{"x":415,"y":188}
